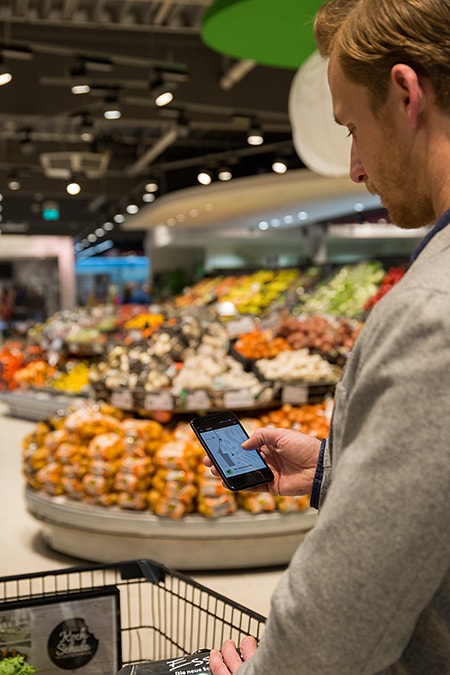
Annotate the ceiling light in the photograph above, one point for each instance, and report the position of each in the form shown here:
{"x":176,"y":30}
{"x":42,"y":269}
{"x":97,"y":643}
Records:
{"x":86,"y":128}
{"x":113,"y":112}
{"x":108,"y":226}
{"x":132,"y":208}
{"x":148,"y":197}
{"x":112,"y":109}
{"x":80,"y":89}
{"x":204,"y":178}
{"x":224,"y":175}
{"x":73,"y":188}
{"x":92,"y":238}
{"x":79,"y":75}
{"x":255,"y":135}
{"x":119,"y":218}
{"x":161,"y":92}
{"x":263,"y":225}
{"x":151,"y":187}
{"x":302,"y":215}
{"x":5,"y":74}
{"x":279,"y":166}
{"x":100,"y":232}
{"x":13,"y":182}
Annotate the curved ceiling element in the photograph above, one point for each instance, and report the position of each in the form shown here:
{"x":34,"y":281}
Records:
{"x":320,"y":143}
{"x":294,"y":198}
{"x":271,"y":33}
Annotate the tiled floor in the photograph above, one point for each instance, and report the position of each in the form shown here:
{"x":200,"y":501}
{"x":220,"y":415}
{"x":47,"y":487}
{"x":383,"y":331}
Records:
{"x":24,"y":551}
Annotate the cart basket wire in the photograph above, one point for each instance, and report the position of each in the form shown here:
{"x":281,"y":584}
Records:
{"x":161,"y":612}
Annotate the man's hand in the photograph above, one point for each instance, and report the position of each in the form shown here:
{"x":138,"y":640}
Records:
{"x":228,"y":660}
{"x":291,"y":455}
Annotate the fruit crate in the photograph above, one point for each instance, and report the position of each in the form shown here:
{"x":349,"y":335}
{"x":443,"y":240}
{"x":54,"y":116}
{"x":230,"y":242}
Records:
{"x":96,"y":619}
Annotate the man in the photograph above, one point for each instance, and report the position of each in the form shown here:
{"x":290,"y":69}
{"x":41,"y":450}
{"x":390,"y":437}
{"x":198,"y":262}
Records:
{"x":368,"y":591}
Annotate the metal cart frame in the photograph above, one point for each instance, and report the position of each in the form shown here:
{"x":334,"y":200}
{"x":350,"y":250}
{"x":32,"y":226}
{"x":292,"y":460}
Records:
{"x":163,"y":613}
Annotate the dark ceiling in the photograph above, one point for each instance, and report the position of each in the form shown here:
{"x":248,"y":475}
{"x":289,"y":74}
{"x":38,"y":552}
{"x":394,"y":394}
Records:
{"x":119,"y":47}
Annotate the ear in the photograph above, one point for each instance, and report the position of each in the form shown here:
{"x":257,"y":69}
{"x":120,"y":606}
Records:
{"x":407,"y":86}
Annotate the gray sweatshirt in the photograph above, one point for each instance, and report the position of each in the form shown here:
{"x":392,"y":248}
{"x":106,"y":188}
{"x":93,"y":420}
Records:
{"x":368,"y":591}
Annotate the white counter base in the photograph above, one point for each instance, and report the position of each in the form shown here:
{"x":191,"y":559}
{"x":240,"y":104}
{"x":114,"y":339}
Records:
{"x":105,"y":535}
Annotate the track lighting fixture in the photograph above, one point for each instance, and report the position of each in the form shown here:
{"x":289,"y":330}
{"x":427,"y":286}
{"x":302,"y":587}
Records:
{"x":255,"y":135}
{"x":13,"y":182}
{"x":279,"y":166}
{"x":224,"y":175}
{"x":204,"y":178}
{"x":5,"y":74}
{"x":73,"y":187}
{"x":161,"y":92}
{"x":112,"y":109}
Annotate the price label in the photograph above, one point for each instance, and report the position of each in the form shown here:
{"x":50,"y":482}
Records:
{"x":295,"y":394}
{"x":158,"y":400}
{"x":198,"y":400}
{"x":271,"y":322}
{"x":122,"y":399}
{"x":238,"y":398}
{"x":239,"y":326}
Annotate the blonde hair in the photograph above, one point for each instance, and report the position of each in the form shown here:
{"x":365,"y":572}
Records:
{"x":370,"y":36}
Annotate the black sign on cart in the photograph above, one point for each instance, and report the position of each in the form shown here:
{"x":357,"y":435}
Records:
{"x":76,"y":631}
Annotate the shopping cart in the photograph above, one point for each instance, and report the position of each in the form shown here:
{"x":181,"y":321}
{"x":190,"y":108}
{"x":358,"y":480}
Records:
{"x":95,"y":619}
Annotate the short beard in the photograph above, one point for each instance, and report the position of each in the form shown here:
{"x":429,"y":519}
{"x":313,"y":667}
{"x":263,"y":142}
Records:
{"x":421,"y":215}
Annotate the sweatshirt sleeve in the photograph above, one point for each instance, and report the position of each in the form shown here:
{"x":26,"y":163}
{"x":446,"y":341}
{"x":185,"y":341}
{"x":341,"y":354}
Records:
{"x":369,"y":576}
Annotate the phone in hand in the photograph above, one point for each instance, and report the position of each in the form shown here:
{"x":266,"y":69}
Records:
{"x":221,"y":434}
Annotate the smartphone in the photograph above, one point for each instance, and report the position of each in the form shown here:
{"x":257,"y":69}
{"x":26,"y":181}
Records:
{"x":222,"y":434}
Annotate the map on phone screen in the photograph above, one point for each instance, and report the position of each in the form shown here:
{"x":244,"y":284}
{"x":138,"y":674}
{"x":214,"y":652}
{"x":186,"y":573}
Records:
{"x":225,"y":445}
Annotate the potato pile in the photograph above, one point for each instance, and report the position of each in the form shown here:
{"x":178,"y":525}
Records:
{"x":97,"y":455}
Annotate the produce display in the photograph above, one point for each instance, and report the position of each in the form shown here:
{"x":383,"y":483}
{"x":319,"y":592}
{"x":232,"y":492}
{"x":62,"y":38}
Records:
{"x":105,"y":350}
{"x":14,"y":356}
{"x":254,"y":294}
{"x":98,"y":455}
{"x":331,"y":338}
{"x":132,"y":447}
{"x":392,"y":277}
{"x":346,"y":292}
{"x":297,"y":365}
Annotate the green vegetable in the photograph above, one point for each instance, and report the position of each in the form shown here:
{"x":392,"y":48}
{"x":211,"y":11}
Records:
{"x":16,"y":665}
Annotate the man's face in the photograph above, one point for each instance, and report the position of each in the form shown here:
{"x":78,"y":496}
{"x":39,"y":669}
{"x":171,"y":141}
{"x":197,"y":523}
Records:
{"x":382,"y":153}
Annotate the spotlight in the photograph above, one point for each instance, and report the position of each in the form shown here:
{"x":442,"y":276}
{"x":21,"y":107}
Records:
{"x":224,"y":175}
{"x":13,"y":182}
{"x":132,"y":208}
{"x":79,"y":74}
{"x":5,"y":74}
{"x":151,"y":186}
{"x":161,"y":92}
{"x":112,"y":109}
{"x":73,"y":188}
{"x":279,"y":166}
{"x":255,"y":135}
{"x":204,"y":178}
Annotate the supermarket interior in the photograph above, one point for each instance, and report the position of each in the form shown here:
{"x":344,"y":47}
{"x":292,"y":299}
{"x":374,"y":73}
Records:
{"x":208,"y":253}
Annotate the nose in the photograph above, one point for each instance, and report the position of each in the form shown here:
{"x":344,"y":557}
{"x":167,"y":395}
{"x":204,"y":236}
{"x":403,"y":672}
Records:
{"x":357,"y":173}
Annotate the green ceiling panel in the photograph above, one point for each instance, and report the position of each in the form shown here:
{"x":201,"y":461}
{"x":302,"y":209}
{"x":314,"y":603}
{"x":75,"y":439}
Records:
{"x":270,"y":32}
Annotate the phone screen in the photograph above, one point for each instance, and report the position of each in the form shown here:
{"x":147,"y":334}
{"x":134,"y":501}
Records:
{"x":222,"y":436}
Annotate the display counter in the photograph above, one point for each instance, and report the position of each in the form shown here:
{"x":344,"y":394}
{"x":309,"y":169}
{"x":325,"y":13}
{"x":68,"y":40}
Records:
{"x":243,"y":540}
